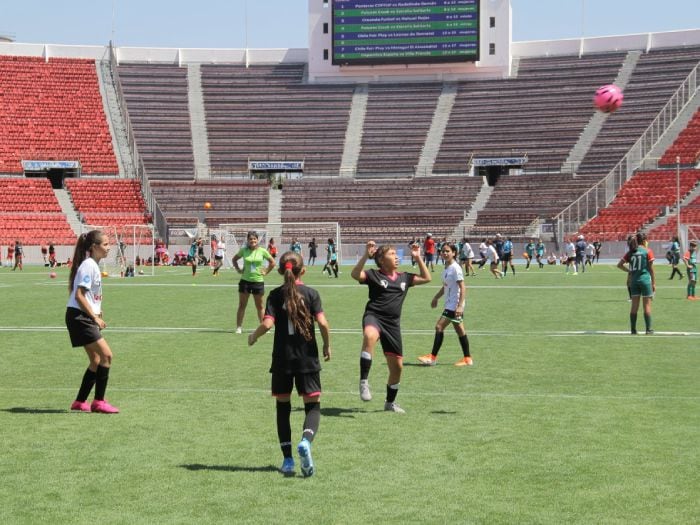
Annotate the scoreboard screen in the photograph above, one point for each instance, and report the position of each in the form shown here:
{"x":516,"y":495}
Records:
{"x":371,"y":32}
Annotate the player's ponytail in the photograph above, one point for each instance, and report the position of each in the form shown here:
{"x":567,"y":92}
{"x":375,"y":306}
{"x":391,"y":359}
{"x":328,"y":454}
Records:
{"x":632,"y":244}
{"x":290,"y":267}
{"x":81,"y":252}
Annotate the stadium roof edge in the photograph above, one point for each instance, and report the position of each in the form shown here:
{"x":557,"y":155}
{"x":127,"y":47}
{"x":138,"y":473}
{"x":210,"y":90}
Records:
{"x":574,"y":46}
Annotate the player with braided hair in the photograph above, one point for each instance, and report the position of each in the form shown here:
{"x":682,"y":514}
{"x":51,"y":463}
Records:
{"x":292,"y":309}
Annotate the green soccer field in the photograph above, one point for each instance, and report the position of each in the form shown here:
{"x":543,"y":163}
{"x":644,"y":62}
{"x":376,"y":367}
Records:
{"x":564,"y":417}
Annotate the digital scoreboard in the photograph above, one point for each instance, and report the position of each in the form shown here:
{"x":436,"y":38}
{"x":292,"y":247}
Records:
{"x":369,"y":32}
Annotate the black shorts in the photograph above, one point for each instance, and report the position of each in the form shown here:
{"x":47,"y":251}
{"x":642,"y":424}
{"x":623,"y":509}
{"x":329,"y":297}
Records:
{"x":428,"y":257}
{"x":251,"y":288}
{"x":451,"y":316}
{"x":218,"y":257}
{"x":507,"y":257}
{"x":81,"y":328}
{"x":308,"y":384}
{"x":389,"y":334}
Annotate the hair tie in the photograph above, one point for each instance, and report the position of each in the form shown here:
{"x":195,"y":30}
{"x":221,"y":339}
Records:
{"x":288,"y":265}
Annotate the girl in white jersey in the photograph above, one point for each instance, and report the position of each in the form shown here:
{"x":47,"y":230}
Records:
{"x":455,"y":299}
{"x":85,"y":323}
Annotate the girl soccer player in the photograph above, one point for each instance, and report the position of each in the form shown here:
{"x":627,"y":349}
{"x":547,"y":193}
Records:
{"x":252,"y":279}
{"x":292,"y":308}
{"x":638,"y":262}
{"x":85,"y":323}
{"x":455,"y":298}
{"x":382,"y":318}
{"x":691,"y":265}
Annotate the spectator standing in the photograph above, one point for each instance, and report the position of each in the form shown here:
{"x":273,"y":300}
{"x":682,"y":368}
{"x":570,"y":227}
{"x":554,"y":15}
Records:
{"x":312,"y":252}
{"x":429,"y":250}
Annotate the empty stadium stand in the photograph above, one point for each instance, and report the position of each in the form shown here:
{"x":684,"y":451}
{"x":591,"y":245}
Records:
{"x":396,"y":123}
{"x":233,"y":201}
{"x":518,"y":200}
{"x":53,"y":111}
{"x":383,"y":210}
{"x":540,"y":113}
{"x":268,"y":113}
{"x":686,"y":146}
{"x":109,"y":202}
{"x":640,"y":200}
{"x":30,"y":213}
{"x":656,"y":77}
{"x":690,"y":214}
{"x":156,"y":99}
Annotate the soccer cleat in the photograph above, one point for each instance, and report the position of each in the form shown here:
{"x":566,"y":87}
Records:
{"x":239,"y":330}
{"x":428,"y":360}
{"x":465,"y":361}
{"x":287,"y":466}
{"x":649,"y":332}
{"x":393,"y":407}
{"x":365,"y":393}
{"x":307,"y":462}
{"x":80,"y":406}
{"x":102,"y":407}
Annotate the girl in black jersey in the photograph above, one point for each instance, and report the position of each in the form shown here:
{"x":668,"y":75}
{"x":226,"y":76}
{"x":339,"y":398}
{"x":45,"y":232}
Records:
{"x":291,"y":309}
{"x":382,"y":318}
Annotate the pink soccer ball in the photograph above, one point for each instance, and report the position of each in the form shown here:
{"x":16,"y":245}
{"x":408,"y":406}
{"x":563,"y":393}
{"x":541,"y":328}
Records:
{"x":608,"y":98}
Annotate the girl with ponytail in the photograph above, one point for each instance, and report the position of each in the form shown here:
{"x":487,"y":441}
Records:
{"x":292,"y":309}
{"x":84,"y":320}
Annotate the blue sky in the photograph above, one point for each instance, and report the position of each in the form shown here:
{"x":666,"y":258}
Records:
{"x":282,"y":23}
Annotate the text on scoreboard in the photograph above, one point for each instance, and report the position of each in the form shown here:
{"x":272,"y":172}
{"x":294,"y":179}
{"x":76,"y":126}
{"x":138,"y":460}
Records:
{"x":405,"y":31}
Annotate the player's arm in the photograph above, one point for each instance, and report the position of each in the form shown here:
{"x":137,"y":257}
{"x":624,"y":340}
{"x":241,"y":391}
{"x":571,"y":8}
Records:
{"x":653,"y":275}
{"x":424,"y":276}
{"x":270,"y":264}
{"x":85,"y":307}
{"x":325,"y":335}
{"x":621,"y":265}
{"x":434,"y":302}
{"x":462,"y":299}
{"x":262,"y":329}
{"x":234,"y":261}
{"x":358,"y":272}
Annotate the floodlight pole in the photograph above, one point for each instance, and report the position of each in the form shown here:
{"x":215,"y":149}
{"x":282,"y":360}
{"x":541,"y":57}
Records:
{"x":678,"y":197}
{"x":245,"y":22}
{"x":114,"y":9}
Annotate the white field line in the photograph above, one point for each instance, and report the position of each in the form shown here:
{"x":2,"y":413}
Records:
{"x":357,"y":331}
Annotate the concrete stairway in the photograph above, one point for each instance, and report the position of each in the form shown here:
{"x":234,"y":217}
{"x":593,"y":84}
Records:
{"x":115,"y":119}
{"x":353,"y":134}
{"x":469,"y":220}
{"x":198,"y":123}
{"x":437,"y":129}
{"x":590,"y":132}
{"x":67,"y":208}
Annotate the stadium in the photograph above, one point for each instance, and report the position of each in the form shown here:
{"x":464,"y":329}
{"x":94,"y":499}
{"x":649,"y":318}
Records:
{"x":463,"y":135}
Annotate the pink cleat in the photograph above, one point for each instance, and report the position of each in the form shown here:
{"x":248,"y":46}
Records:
{"x":80,"y":406}
{"x":102,"y":407}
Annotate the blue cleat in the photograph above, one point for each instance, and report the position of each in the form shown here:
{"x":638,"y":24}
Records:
{"x":288,"y":466}
{"x":307,"y":463}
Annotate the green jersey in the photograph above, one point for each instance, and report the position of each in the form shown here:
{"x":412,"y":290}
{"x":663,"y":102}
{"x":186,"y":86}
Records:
{"x":639,"y":264}
{"x":253,"y":261}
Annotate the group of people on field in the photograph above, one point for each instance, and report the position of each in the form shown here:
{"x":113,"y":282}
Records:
{"x":295,"y":310}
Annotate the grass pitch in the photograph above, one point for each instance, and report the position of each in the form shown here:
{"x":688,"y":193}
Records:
{"x":564,"y":418}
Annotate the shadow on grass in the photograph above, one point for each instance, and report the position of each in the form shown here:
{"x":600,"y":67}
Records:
{"x":28,"y":410}
{"x":443,"y":412}
{"x":339,"y":412}
{"x":229,"y":468}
